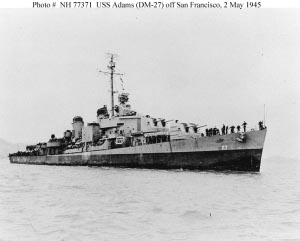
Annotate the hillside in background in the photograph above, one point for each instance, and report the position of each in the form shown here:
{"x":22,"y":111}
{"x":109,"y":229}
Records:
{"x":7,"y":147}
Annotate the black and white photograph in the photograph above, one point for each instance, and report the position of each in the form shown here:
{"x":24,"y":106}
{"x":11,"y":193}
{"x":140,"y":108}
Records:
{"x":143,"y":120}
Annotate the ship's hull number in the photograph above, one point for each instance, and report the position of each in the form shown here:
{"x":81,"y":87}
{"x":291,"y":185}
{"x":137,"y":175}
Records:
{"x":224,"y":147}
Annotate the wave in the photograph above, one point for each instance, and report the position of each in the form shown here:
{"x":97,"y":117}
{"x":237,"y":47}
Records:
{"x":195,"y":215}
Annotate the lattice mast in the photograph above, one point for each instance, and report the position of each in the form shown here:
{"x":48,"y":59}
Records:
{"x":111,"y":67}
{"x":112,"y":70}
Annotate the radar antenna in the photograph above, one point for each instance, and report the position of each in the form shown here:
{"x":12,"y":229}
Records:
{"x":111,"y":67}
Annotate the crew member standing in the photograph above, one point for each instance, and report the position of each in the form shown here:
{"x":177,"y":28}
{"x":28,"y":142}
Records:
{"x":238,"y":128}
{"x":232,"y":129}
{"x":226,"y":130}
{"x":260,"y":124}
{"x":244,"y":125}
{"x":223,"y":129}
{"x":214,"y":131}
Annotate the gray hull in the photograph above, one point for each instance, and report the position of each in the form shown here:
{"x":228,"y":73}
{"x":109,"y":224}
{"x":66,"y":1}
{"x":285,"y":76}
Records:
{"x":208,"y":153}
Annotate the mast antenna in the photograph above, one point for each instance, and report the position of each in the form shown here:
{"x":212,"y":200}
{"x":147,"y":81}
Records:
{"x":111,"y":67}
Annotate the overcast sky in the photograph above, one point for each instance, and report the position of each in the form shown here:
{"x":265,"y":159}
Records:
{"x":203,"y":66}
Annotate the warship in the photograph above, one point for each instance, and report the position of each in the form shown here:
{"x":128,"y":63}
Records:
{"x":126,"y":138}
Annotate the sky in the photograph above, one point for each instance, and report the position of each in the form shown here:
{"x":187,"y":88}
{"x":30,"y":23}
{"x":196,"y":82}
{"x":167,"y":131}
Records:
{"x":209,"y":67}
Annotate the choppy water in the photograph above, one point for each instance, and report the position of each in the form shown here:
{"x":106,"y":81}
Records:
{"x":82,"y":203}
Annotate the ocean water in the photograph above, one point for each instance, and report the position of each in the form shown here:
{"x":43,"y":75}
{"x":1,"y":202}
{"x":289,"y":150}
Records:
{"x":84,"y":203}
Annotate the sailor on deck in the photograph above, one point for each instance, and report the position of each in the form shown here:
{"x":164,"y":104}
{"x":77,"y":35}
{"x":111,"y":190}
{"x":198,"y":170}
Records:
{"x":261,"y":126}
{"x":232,"y":129}
{"x":223,"y":129}
{"x":244,"y":125}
